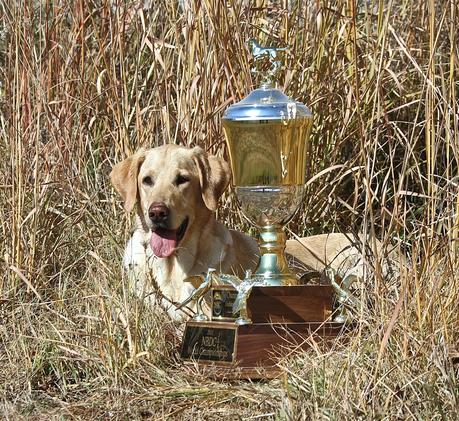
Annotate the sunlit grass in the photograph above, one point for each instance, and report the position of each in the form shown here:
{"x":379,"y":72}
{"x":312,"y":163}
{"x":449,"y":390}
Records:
{"x":83,"y":84}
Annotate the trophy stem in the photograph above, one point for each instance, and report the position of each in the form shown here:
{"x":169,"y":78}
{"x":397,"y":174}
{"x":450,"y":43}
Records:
{"x":273,"y":264}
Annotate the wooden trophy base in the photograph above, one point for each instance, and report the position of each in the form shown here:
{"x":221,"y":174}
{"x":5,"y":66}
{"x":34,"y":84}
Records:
{"x":283,"y":319}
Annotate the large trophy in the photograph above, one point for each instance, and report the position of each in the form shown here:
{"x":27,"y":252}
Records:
{"x":267,"y":135}
{"x":252,"y":319}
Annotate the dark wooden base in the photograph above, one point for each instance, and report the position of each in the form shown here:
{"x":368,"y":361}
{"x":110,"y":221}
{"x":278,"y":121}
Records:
{"x":284,"y":319}
{"x":252,"y":350}
{"x":263,"y":344}
{"x":291,"y":304}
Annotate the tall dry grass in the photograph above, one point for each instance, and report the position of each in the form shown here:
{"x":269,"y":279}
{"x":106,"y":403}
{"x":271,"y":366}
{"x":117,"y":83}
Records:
{"x":85,"y":83}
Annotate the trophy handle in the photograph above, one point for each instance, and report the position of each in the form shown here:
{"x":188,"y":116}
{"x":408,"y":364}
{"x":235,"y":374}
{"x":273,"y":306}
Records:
{"x":201,"y":283}
{"x":243,"y":296}
{"x":344,"y":295}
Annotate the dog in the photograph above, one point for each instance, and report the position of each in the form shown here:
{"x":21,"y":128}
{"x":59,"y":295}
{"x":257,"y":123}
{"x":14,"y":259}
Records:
{"x":175,"y":191}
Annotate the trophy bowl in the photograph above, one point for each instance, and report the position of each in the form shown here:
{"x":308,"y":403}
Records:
{"x":267,"y":135}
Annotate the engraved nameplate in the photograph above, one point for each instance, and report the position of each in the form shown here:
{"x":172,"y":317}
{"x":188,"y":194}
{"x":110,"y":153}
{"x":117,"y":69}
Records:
{"x":208,"y":342}
{"x":222,"y":304}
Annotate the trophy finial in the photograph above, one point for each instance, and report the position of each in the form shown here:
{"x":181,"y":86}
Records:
{"x":267,"y":61}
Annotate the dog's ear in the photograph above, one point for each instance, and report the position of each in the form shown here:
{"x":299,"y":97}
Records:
{"x":124,"y":178}
{"x":214,"y":176}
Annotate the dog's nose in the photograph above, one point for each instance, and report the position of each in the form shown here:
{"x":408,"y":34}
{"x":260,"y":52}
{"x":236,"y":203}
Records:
{"x":158,"y":212}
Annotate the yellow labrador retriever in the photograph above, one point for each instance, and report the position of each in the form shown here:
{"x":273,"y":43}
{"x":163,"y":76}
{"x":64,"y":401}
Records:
{"x":175,"y":191}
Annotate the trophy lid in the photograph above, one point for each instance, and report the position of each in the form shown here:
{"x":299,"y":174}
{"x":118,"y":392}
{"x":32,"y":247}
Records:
{"x":267,"y":103}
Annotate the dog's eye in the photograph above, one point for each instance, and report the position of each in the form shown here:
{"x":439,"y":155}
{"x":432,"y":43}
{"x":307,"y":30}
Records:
{"x":181,"y":179}
{"x":147,"y":180}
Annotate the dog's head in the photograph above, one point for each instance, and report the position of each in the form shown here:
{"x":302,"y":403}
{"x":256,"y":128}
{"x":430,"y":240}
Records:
{"x":175,"y":188}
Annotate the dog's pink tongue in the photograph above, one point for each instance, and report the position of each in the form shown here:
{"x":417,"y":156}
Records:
{"x":164,"y":242}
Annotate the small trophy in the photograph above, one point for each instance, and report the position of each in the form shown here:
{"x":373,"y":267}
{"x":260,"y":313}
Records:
{"x":267,"y":135}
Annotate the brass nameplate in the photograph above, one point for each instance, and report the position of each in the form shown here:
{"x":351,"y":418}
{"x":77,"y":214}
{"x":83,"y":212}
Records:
{"x":209,"y":342}
{"x":222,"y":304}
